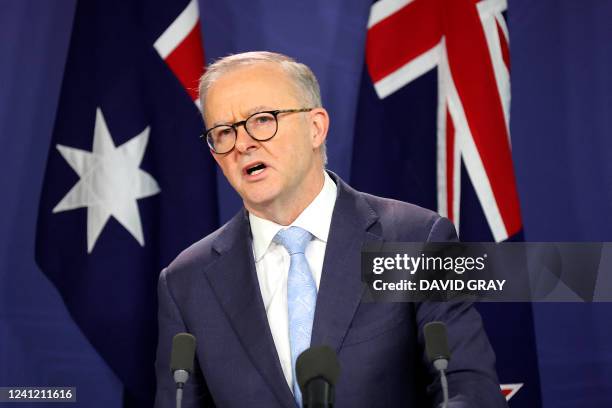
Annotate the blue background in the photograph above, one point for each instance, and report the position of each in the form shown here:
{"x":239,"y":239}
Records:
{"x":562,"y":145}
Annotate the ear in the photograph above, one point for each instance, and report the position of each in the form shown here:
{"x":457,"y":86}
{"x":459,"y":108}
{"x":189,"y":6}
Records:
{"x":319,"y":120}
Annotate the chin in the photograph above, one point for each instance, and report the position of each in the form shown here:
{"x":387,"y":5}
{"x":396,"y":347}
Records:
{"x":259,"y":198}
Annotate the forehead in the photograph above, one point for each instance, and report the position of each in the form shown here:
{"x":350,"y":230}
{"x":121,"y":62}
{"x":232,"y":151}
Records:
{"x":236,"y":93}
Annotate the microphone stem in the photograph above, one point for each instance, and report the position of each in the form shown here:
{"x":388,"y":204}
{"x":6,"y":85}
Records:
{"x":444,"y":384}
{"x":179,"y":397}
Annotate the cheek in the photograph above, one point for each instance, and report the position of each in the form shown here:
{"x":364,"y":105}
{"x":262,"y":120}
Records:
{"x":296,"y":146}
{"x":289,"y":156}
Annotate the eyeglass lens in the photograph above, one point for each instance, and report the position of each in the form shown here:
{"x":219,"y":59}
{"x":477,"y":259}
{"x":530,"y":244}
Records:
{"x":260,"y":126}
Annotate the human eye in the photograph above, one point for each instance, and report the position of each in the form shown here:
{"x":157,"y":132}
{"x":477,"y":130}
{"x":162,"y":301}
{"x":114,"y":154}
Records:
{"x":262,"y":119}
{"x":222,"y":132}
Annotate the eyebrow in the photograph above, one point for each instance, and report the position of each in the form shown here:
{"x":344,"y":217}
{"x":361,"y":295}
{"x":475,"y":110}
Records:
{"x":259,"y":108}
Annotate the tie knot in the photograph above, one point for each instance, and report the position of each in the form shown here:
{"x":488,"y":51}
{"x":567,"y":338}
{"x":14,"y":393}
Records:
{"x":294,"y":239}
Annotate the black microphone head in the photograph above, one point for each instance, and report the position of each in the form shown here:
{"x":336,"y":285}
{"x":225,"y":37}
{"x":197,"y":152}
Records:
{"x":436,"y":341}
{"x":319,"y":361}
{"x":183,"y":352}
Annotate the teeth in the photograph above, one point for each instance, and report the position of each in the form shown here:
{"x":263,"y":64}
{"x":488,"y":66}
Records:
{"x":256,"y":172}
{"x":256,"y":169}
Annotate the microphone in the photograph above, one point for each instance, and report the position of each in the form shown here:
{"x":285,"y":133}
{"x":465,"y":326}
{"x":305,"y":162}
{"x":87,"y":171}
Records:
{"x":317,"y":370}
{"x":436,"y":347}
{"x":181,"y":362}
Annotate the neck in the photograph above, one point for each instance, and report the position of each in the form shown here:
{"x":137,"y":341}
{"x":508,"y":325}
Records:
{"x":285,"y":210}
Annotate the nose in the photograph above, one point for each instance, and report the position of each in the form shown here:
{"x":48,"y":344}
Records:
{"x":244,"y":142}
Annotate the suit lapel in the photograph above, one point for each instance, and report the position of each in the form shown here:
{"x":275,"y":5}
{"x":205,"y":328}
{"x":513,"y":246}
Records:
{"x":234,"y":281}
{"x":341,"y":287}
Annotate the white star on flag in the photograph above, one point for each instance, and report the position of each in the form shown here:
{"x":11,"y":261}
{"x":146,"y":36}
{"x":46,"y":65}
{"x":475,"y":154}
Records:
{"x":111,"y":182}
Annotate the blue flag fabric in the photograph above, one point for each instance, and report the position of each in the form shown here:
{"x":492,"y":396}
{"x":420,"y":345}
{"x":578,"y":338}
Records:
{"x":128,"y":183}
{"x":424,"y":134}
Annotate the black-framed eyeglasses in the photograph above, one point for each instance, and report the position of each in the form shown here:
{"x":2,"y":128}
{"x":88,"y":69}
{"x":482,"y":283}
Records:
{"x":261,"y":126}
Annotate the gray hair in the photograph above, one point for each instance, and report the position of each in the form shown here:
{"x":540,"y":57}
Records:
{"x":302,"y":77}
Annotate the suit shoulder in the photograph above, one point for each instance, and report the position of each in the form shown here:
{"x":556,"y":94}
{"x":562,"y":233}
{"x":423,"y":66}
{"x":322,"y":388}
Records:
{"x":400,"y":211}
{"x":401,"y":221}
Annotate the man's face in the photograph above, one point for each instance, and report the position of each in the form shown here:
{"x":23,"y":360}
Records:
{"x":292,"y":163}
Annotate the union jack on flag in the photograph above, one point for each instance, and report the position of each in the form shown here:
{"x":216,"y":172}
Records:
{"x":432,"y":128}
{"x":180,"y":46}
{"x":467,"y":41}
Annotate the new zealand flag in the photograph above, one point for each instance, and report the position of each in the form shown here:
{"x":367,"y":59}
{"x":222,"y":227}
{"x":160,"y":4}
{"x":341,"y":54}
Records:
{"x":432,"y":127}
{"x":128,"y":183}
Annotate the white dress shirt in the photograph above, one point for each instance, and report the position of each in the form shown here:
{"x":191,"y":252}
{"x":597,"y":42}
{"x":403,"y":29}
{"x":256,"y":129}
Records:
{"x":272,"y":264}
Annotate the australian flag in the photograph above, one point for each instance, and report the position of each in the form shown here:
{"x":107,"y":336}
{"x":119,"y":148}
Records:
{"x":128,"y":183}
{"x":433,"y":128}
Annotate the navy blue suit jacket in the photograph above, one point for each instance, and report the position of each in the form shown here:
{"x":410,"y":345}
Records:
{"x":211,"y":290}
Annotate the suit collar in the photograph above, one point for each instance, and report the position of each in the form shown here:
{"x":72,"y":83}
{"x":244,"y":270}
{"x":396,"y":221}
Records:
{"x":351,"y":204}
{"x":232,"y":232}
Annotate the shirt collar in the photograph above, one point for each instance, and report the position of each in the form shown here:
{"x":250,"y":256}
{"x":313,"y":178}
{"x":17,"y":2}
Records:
{"x":316,"y":219}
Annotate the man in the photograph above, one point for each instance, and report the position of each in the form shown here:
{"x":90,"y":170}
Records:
{"x":284,"y":273}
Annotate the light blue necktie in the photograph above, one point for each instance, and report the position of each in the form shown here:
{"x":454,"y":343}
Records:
{"x":301,"y":296}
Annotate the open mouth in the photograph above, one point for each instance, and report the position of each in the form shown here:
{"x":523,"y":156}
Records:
{"x":255,"y":169}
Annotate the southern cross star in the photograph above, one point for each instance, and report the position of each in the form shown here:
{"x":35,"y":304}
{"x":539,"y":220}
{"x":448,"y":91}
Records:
{"x":111,"y":182}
